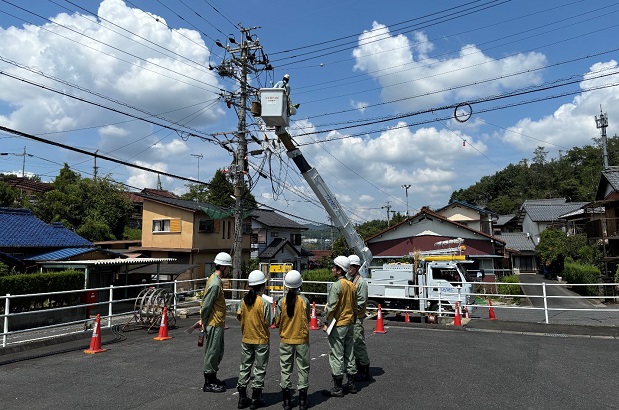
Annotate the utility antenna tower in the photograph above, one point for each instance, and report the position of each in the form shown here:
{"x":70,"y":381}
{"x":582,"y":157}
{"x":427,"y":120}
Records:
{"x":601,"y":122}
{"x":246,"y":56}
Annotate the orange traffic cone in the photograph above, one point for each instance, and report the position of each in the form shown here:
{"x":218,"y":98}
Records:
{"x":95,"y":342}
{"x":407,"y":319}
{"x":467,"y":315}
{"x":457,"y":318}
{"x":491,"y":311}
{"x":380,"y":328}
{"x":273,"y":307}
{"x":163,"y":328}
{"x":313,"y":319}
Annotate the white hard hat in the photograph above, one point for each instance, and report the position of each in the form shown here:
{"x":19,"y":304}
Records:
{"x":342,"y":262}
{"x":287,"y":76}
{"x":293,"y":279}
{"x":224,"y":259}
{"x":354,"y":260}
{"x":256,"y":277}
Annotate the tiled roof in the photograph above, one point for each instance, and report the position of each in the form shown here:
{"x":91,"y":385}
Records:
{"x":213,"y":211}
{"x":518,"y":241}
{"x":275,"y":220}
{"x":466,"y":204}
{"x":21,"y":229}
{"x":29,"y":185}
{"x":612,"y":176}
{"x":275,"y":246}
{"x":551,"y":212}
{"x":503,"y":219}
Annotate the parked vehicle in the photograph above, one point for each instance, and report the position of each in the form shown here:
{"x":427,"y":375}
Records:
{"x":430,"y":284}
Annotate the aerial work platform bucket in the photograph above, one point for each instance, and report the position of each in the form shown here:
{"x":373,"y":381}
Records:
{"x":274,"y":102}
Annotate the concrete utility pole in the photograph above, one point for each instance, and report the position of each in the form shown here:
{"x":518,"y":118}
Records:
{"x":388,"y":208}
{"x":246,"y":55}
{"x":601,"y":122}
{"x":199,"y":157}
{"x":23,"y":164}
{"x":406,"y":187}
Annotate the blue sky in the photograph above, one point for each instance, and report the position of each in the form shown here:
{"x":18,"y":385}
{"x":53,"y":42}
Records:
{"x":400,"y":68}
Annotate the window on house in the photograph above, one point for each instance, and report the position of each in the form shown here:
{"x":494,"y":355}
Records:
{"x":166,"y":225}
{"x":295,"y":239}
{"x":229,"y":228}
{"x":161,"y":225}
{"x":274,"y":234}
{"x":206,"y":225}
{"x":247,"y":229}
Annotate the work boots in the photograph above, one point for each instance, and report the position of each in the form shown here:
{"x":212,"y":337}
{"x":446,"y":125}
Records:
{"x":350,"y":384}
{"x":256,"y":399}
{"x":303,"y":399}
{"x":363,"y":373}
{"x":337,"y":390}
{"x":287,"y":403}
{"x":244,"y":401}
{"x":210,"y":385}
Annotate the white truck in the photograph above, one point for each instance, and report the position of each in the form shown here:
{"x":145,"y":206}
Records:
{"x":434,"y":285}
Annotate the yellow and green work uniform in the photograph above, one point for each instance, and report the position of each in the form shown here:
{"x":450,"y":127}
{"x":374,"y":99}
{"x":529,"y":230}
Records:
{"x":360,"y":349}
{"x":342,"y":306}
{"x":294,"y":342}
{"x":255,"y":321}
{"x":213,"y":314}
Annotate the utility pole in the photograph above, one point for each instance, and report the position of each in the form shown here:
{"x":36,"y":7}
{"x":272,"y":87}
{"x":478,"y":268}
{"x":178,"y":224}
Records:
{"x":388,"y":208}
{"x":406,"y":187}
{"x":95,"y":167}
{"x":245,"y":56}
{"x":601,"y":122}
{"x":199,"y":157}
{"x":23,"y":164}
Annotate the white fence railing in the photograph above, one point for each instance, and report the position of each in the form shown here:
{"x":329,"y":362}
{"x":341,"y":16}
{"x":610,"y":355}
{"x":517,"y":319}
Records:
{"x":123,"y":308}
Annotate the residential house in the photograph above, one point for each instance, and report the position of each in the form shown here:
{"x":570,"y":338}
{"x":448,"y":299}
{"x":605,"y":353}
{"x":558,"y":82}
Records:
{"x":521,"y":250}
{"x":135,"y":221}
{"x":469,"y":215}
{"x":605,"y":228}
{"x":277,"y":239}
{"x":505,"y":224}
{"x":540,"y":214}
{"x":190,"y":232}
{"x":427,"y":231}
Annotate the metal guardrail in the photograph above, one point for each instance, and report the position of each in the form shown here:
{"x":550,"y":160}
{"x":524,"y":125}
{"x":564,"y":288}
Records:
{"x":178,"y":302}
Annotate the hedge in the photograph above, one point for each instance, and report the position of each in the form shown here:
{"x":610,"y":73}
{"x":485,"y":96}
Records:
{"x":582,"y":273}
{"x":512,"y":287}
{"x":23,"y":284}
{"x":317,"y":275}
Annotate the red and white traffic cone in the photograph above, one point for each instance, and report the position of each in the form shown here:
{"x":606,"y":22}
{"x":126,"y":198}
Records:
{"x":467,"y":315}
{"x":491,"y":311}
{"x":457,"y":318}
{"x":163,"y":327}
{"x":95,"y":341}
{"x":380,"y":327}
{"x":407,"y":319}
{"x":313,"y":325}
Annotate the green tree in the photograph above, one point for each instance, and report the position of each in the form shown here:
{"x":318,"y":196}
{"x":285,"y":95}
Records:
{"x":220,"y":192}
{"x":552,"y":246}
{"x":97,"y":210}
{"x":8,"y":195}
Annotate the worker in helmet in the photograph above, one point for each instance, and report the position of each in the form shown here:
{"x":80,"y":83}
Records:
{"x":256,"y":316}
{"x":213,"y":316}
{"x":362,"y":360}
{"x":285,"y":84}
{"x":292,"y":317}
{"x":341,"y":310}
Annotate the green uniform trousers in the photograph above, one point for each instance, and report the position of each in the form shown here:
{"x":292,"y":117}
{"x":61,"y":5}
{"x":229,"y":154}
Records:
{"x":288,"y":355}
{"x":361,"y":350}
{"x":213,"y":348}
{"x":256,"y":356}
{"x":341,"y":352}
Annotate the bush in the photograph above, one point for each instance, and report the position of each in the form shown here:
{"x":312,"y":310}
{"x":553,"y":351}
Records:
{"x":577,"y":273}
{"x":512,"y":286}
{"x":317,"y":275}
{"x":23,"y":284}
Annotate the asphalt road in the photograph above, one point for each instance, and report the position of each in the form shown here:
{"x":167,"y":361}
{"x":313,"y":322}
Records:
{"x":414,"y":366}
